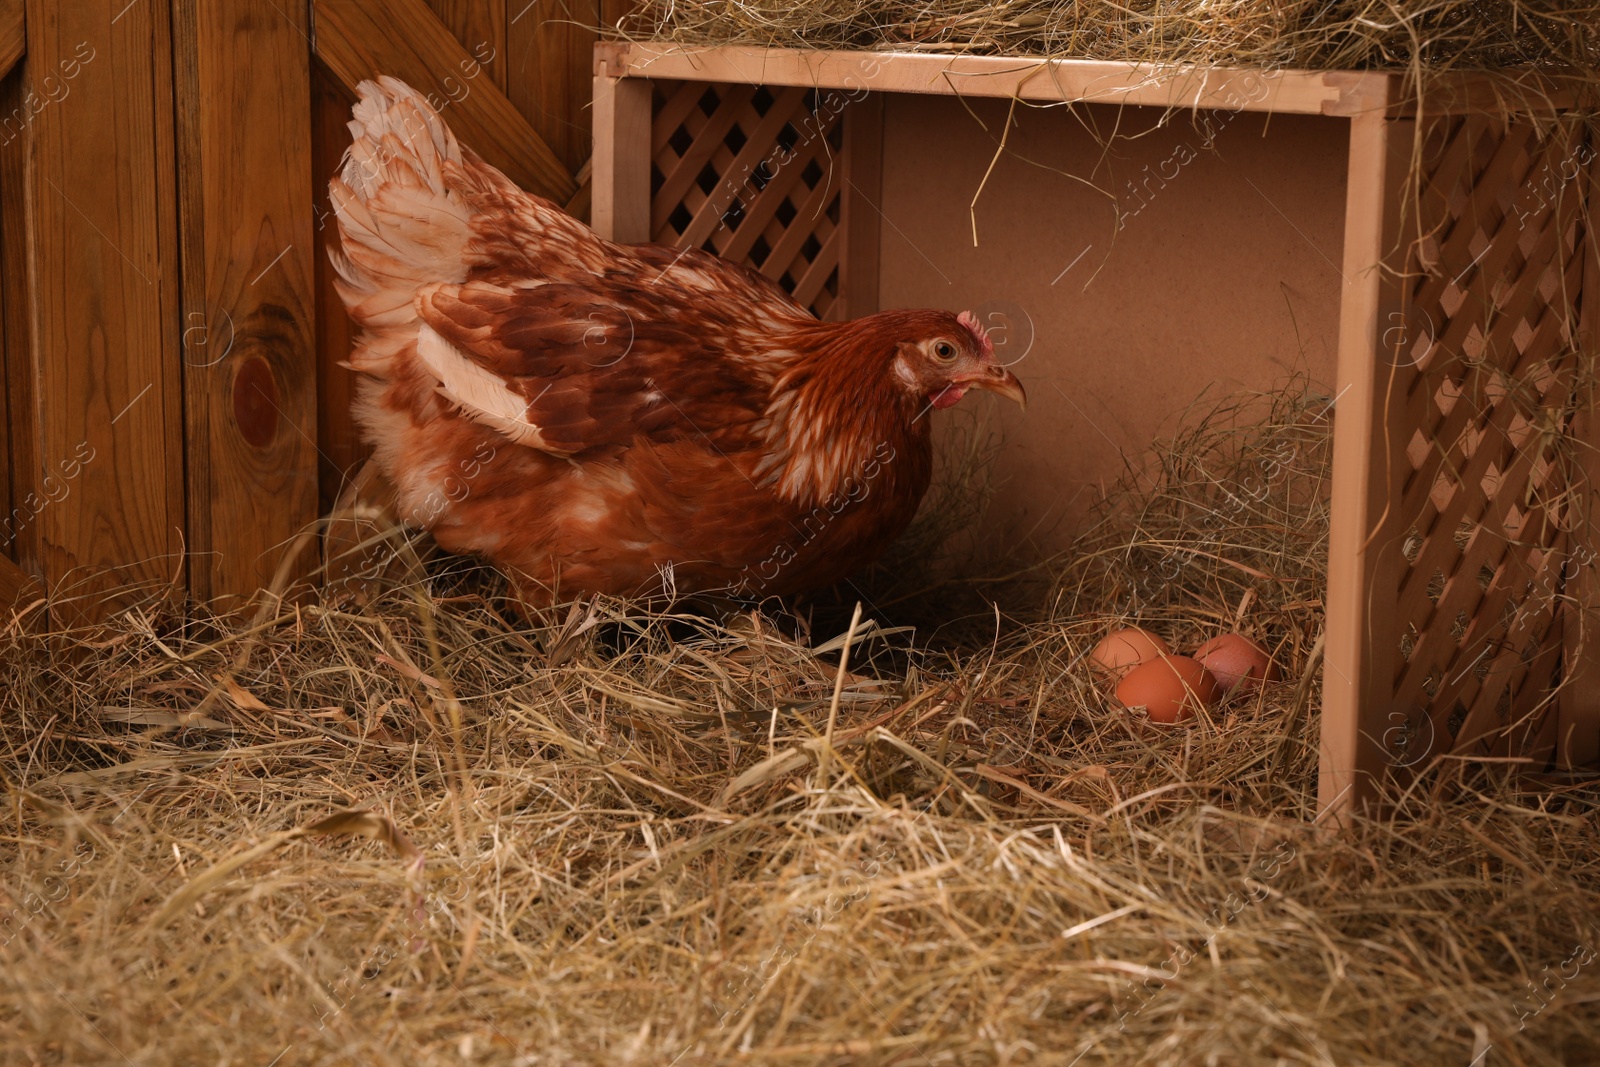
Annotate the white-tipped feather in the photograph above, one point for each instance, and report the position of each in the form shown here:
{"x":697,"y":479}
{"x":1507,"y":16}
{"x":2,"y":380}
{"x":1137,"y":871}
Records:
{"x":400,"y":224}
{"x":480,"y":394}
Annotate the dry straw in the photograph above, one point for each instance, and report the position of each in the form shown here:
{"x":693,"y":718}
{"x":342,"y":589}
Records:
{"x":1560,"y":37}
{"x":615,"y":835}
{"x":607,"y":835}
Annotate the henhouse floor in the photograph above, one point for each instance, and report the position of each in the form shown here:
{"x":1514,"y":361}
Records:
{"x":615,"y":836}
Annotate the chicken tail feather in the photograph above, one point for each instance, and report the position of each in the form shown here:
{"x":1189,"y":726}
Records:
{"x":401,"y":223}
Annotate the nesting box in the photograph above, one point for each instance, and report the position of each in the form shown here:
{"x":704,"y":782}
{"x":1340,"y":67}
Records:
{"x":1446,"y":250}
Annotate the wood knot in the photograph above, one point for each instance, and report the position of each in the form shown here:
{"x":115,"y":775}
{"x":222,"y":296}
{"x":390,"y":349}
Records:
{"x":255,"y":402}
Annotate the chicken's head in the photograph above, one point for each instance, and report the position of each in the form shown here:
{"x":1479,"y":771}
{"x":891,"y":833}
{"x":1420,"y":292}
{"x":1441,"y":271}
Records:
{"x":951,"y":355}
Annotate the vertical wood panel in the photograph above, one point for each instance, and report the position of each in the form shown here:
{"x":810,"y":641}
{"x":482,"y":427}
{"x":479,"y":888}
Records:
{"x":342,"y":451}
{"x":100,"y":487}
{"x":860,"y":217}
{"x":480,"y":26}
{"x":550,"y":53}
{"x":621,"y":173}
{"x":16,"y":280}
{"x":549,"y":50}
{"x":11,"y":349}
{"x":1356,"y":649}
{"x":8,"y":548}
{"x":15,"y":583}
{"x":249,"y":363}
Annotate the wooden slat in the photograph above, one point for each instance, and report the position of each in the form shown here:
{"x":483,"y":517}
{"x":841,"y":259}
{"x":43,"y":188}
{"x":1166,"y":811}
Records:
{"x":786,"y":249}
{"x":13,"y":34}
{"x":1357,"y":653}
{"x":1507,"y":167}
{"x":92,"y":186}
{"x":708,"y":138}
{"x":621,"y":206}
{"x":340,"y":448}
{"x":1499,"y":277}
{"x":679,"y":99}
{"x":760,"y":216}
{"x":1055,"y":81}
{"x":13,"y":42}
{"x":809,"y":285}
{"x":859,"y":215}
{"x":1578,"y":741}
{"x":1510,"y":309}
{"x":1307,"y":92}
{"x":1494,"y":421}
{"x":1479,"y":450}
{"x":359,"y":40}
{"x":1437,"y":650}
{"x":480,"y":28}
{"x":550,"y":50}
{"x":761,"y":134}
{"x":250,"y":369}
{"x":16,"y":304}
{"x":707,"y":151}
{"x":581,"y":203}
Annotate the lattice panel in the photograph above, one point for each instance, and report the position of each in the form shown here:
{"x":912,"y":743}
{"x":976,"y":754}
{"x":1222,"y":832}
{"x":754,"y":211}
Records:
{"x":753,"y":175}
{"x":1485,"y":377}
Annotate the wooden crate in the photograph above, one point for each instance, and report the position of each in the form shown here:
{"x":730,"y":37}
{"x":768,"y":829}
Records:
{"x":1461,"y":573}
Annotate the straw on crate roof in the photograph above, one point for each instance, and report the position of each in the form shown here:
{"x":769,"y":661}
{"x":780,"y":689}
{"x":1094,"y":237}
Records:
{"x":1559,"y":38}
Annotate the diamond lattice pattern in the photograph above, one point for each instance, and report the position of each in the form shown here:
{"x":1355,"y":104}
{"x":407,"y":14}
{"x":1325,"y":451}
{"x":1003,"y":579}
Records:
{"x":1485,"y":381}
{"x":752,"y":175}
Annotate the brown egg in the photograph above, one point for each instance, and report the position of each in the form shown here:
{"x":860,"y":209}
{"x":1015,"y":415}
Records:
{"x":1120,"y":651}
{"x":1238,"y":663}
{"x":1170,"y":689}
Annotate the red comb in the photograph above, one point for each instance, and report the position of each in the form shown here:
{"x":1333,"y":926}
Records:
{"x":967,"y":319}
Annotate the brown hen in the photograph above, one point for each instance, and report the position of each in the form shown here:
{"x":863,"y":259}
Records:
{"x":626,"y":419}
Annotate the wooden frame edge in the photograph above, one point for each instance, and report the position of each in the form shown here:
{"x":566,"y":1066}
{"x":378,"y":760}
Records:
{"x":1344,"y":754}
{"x":863,"y":174}
{"x":620,"y":166}
{"x":1046,"y":80}
{"x":1579,"y":703}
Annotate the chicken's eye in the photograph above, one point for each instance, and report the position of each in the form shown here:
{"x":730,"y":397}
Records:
{"x":944,"y":350}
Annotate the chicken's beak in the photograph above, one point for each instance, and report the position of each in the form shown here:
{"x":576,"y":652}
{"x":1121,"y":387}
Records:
{"x":997,"y":379}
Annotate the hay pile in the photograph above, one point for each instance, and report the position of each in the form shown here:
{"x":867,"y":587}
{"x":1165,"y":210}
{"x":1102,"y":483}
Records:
{"x":1306,"y":34}
{"x":1504,"y":38}
{"x":611,"y":836}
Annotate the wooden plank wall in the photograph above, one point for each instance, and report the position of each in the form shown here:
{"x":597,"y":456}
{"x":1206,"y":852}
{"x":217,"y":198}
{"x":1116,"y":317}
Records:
{"x":91,"y":283}
{"x":249,"y":367}
{"x":174,"y":409}
{"x":549,"y":52}
{"x":13,"y":43}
